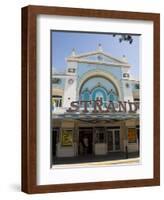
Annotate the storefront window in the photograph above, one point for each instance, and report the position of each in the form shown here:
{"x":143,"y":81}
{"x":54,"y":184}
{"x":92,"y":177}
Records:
{"x":100,"y":135}
{"x":132,"y":137}
{"x":67,"y":137}
{"x":57,"y":101}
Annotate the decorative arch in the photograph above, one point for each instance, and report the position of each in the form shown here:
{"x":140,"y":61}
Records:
{"x":100,"y":73}
{"x":101,"y":91}
{"x":112,"y":96}
{"x":99,"y":86}
{"x":85,"y":95}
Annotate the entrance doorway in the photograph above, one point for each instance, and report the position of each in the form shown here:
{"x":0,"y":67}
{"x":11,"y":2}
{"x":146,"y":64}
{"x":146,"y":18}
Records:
{"x":113,"y":139}
{"x":55,"y":132}
{"x":85,"y":141}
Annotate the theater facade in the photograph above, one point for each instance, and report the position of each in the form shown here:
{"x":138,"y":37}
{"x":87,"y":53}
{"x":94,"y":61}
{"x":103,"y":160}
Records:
{"x":95,"y":106}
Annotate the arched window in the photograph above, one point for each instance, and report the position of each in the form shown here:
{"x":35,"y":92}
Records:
{"x":98,"y":88}
{"x":85,"y":96}
{"x":100,"y":94}
{"x":113,"y":96}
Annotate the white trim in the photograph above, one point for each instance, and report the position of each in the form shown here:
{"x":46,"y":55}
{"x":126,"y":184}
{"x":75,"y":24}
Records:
{"x":98,"y":62}
{"x":98,"y":52}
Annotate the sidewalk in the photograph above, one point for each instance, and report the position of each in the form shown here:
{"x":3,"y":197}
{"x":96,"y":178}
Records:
{"x":99,"y":164}
{"x":113,"y":158}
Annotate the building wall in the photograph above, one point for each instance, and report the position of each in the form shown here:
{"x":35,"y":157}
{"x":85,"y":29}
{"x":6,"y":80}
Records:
{"x":98,"y":148}
{"x":74,"y":82}
{"x":84,"y":68}
{"x":83,"y":81}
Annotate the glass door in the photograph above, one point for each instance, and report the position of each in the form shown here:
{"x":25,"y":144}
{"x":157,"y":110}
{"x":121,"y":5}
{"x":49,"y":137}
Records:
{"x":110,"y":140}
{"x":113,"y":139}
{"x":117,"y":139}
{"x":55,"y":133}
{"x":85,"y":141}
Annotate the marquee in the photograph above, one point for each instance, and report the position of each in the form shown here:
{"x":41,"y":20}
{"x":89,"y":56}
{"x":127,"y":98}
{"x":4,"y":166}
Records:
{"x":98,"y":106}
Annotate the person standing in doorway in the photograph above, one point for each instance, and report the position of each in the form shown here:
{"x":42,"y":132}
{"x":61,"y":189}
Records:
{"x":85,"y":145}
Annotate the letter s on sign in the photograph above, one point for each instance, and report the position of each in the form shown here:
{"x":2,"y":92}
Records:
{"x":75,"y":105}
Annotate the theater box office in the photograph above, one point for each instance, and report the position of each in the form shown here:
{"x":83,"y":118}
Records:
{"x":90,"y":99}
{"x":95,"y":99}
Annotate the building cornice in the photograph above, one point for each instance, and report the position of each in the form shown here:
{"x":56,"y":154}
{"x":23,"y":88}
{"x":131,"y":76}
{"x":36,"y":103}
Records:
{"x":73,"y":59}
{"x":99,"y":52}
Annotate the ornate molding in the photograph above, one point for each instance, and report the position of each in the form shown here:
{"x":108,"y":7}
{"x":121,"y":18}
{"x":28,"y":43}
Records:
{"x":99,"y":73}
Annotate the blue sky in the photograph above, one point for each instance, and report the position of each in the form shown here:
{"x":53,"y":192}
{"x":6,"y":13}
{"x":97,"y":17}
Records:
{"x":64,"y":42}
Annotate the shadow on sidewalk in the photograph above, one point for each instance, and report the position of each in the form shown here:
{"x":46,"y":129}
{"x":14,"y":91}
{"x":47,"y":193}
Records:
{"x":94,"y":158}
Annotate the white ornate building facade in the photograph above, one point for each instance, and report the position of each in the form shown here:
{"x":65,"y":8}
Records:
{"x":96,"y":98}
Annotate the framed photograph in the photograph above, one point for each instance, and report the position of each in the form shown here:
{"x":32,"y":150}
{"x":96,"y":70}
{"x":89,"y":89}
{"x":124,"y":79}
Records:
{"x":90,"y":99}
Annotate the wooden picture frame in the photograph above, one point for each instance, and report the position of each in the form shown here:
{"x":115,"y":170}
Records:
{"x":29,"y":103}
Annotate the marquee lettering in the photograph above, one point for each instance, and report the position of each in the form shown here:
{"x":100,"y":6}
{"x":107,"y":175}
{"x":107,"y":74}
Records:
{"x":98,"y":106}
